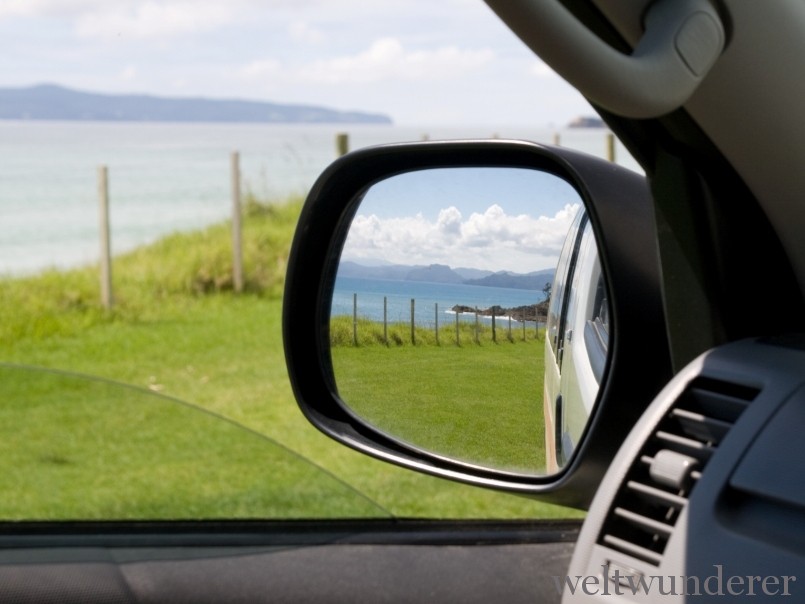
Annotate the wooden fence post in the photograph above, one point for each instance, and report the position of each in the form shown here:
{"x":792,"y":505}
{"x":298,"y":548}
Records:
{"x":494,"y":333}
{"x":510,"y":328}
{"x":436,"y":313}
{"x":355,"y":319}
{"x":237,"y":228}
{"x":342,"y":143}
{"x":477,"y":328}
{"x":385,"y":320}
{"x":413,"y":331}
{"x":611,"y":146}
{"x":107,"y":299}
{"x":458,"y":338}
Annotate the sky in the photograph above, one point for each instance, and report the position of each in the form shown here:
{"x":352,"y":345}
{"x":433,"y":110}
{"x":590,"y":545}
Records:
{"x":498,"y":219}
{"x":422,"y":62}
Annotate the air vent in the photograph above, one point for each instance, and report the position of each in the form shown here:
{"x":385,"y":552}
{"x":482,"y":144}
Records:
{"x":658,"y":484}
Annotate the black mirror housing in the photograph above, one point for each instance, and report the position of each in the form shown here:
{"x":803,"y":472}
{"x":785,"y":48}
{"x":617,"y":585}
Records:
{"x":619,"y":206}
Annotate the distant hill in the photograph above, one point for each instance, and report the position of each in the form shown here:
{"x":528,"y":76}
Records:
{"x":51,"y":102}
{"x":587,"y":122}
{"x":435,"y":273}
{"x":536,"y":280}
{"x":440,"y":273}
{"x":472,"y":273}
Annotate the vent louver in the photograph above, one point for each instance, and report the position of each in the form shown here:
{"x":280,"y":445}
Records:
{"x":657,"y":485}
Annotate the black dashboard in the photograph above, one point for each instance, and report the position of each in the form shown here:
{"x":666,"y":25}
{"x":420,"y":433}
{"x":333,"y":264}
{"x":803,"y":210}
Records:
{"x":707,"y":495}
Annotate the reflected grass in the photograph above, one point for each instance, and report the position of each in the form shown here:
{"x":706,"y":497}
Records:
{"x":344,"y":331}
{"x":478,"y":404}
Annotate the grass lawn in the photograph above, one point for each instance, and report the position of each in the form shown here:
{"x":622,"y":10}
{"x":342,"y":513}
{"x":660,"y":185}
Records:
{"x":178,"y":330}
{"x":74,"y":448}
{"x":476,"y":403}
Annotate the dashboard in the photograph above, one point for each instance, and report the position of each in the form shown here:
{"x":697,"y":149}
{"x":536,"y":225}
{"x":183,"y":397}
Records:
{"x":706,"y":496}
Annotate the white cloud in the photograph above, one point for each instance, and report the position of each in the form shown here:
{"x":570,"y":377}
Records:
{"x":43,"y":8}
{"x":304,"y":32}
{"x":386,"y":62}
{"x":129,"y":73}
{"x":152,"y":19}
{"x":540,"y":69}
{"x":492,"y":240}
{"x":449,"y":222}
{"x":387,"y":59}
{"x":261,"y":69}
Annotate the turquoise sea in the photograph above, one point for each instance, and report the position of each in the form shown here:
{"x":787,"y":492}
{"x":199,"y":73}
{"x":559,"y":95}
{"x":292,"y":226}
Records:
{"x":165,"y":177}
{"x":398,"y":295}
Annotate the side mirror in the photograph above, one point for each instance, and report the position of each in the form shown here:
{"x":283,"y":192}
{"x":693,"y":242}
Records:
{"x":417,"y":325}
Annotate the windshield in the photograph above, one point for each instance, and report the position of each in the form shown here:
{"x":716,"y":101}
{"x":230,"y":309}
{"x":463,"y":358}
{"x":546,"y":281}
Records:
{"x":131,"y":107}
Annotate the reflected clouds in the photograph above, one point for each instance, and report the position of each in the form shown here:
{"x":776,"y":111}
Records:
{"x":527,"y":243}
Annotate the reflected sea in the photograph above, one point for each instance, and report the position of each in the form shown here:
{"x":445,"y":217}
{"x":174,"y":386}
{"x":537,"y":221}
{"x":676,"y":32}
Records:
{"x":398,"y":295}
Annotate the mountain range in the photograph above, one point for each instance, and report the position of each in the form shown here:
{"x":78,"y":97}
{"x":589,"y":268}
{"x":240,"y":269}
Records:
{"x":441,"y":273}
{"x":52,"y":102}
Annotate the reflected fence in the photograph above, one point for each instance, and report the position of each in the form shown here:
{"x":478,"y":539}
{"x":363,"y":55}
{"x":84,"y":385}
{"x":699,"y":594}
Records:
{"x":456,"y":325}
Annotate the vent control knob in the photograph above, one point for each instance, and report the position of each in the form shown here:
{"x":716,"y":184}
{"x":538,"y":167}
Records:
{"x":672,"y":469}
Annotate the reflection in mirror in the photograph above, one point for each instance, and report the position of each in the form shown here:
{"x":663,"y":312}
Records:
{"x":437,"y":325}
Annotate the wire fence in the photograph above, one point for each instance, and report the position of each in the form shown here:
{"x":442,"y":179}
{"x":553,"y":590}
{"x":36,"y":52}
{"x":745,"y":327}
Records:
{"x":457,"y":325}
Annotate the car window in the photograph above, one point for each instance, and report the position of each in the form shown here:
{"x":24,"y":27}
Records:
{"x":560,"y":293}
{"x":80,"y":121}
{"x":75,"y":447}
{"x":596,"y":329}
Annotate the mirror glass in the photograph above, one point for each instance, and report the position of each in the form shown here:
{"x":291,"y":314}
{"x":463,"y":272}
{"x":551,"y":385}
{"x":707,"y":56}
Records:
{"x":439,"y":311}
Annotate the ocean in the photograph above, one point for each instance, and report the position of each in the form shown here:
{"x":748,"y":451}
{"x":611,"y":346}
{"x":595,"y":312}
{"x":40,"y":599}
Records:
{"x":166,"y":177}
{"x":398,"y":294}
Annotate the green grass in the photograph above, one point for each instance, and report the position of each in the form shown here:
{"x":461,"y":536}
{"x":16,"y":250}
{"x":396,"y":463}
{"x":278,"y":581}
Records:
{"x":73,"y":448}
{"x":177,"y":329}
{"x":153,"y":282}
{"x":479,"y":404}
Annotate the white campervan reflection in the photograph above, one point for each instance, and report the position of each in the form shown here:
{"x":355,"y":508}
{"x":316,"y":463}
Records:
{"x":576,"y":342}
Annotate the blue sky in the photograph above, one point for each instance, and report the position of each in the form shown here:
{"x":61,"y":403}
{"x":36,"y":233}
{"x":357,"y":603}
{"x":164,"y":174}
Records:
{"x":423,"y":62}
{"x":427,"y":192}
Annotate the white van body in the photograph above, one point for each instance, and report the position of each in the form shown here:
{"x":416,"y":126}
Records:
{"x":576,"y":341}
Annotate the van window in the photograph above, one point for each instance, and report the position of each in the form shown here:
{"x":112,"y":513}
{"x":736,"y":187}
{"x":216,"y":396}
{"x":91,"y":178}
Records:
{"x":557,"y":309}
{"x":596,"y":328}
